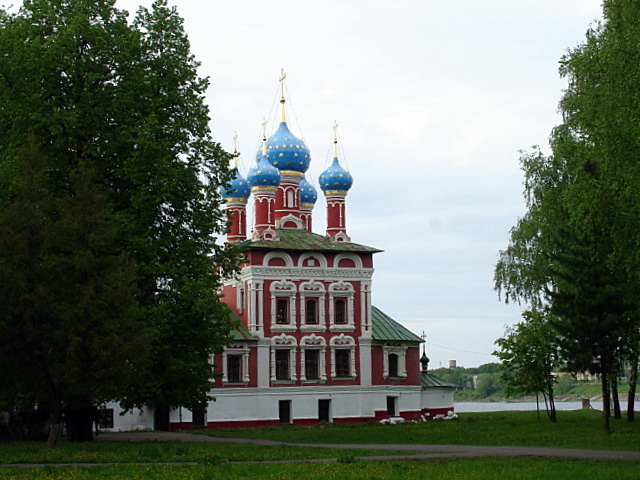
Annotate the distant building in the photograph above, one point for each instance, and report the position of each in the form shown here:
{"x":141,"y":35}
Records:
{"x":311,"y":347}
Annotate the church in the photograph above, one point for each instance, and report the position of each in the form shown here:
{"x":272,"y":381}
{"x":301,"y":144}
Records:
{"x":310,"y":346}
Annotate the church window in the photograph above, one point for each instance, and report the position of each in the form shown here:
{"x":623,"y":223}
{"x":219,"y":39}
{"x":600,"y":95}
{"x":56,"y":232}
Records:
{"x":393,"y":365}
{"x":282,"y":365}
{"x":282,"y":311}
{"x":343,"y":365}
{"x":311,"y":311}
{"x":241,"y":302}
{"x":234,"y":368}
{"x":340,"y":312}
{"x":311,"y":364}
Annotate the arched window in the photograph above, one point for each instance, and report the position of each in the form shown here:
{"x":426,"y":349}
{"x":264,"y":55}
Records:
{"x":393,"y":365}
{"x":341,"y":311}
{"x":282,"y":311}
{"x":312,"y":364}
{"x":234,"y":368}
{"x":343,"y":363}
{"x":282,"y":365}
{"x":311,"y":311}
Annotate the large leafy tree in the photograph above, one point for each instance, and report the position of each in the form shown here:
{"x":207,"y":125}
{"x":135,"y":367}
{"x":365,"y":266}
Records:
{"x":575,"y":252}
{"x":125,"y":100}
{"x":70,"y":334}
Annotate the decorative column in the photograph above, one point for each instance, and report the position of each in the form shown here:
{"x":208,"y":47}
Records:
{"x":335,"y":183}
{"x":264,"y":179}
{"x":236,"y":197}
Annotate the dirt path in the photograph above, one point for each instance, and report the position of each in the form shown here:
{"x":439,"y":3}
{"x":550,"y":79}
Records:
{"x":426,"y":452}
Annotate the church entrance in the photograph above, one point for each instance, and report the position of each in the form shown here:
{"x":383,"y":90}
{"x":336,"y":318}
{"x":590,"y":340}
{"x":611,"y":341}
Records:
{"x":284,"y":411}
{"x":324,"y":410}
{"x":391,"y":407}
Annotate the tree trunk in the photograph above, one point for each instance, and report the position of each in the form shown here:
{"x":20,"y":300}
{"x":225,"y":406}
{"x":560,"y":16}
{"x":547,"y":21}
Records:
{"x":552,"y":405}
{"x":55,"y":428}
{"x":614,"y":395}
{"x":633,"y":381}
{"x":606,"y":402}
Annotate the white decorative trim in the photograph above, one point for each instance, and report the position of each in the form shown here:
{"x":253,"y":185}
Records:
{"x":340,"y":237}
{"x":278,"y":254}
{"x":284,"y":342}
{"x":280,"y":272}
{"x":313,"y":342}
{"x":357,"y":260}
{"x":401,"y":352}
{"x":268,"y":233}
{"x":283,"y":289}
{"x":290,"y":218}
{"x":322,"y":260}
{"x":312,"y":289}
{"x":341,"y":290}
{"x":343,"y":342}
{"x":243,"y":350}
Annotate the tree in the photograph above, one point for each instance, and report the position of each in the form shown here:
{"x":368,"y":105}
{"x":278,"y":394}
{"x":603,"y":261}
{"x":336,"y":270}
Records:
{"x":126,"y":101}
{"x":69,"y":329}
{"x":601,"y":115}
{"x":575,"y":250}
{"x":529,"y":355}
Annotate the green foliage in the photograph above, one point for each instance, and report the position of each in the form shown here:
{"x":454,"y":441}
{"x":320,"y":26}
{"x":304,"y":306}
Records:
{"x":529,"y":354}
{"x":575,"y":251}
{"x":67,"y":291}
{"x":466,"y":380}
{"x":122,"y":101}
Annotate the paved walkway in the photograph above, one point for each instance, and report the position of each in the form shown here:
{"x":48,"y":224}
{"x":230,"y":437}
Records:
{"x":427,"y":452}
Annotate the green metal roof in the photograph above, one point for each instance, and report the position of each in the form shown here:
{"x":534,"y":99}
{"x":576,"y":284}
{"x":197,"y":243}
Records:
{"x":294,"y":239}
{"x":385,"y":328}
{"x":241,"y":332}
{"x":429,"y":381}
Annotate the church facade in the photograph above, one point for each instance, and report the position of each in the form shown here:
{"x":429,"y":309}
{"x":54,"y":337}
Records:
{"x":310,"y":346}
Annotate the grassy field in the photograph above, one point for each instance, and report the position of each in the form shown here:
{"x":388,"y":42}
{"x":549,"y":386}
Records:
{"x":575,"y":429}
{"x":447,"y":469}
{"x":217,"y":461}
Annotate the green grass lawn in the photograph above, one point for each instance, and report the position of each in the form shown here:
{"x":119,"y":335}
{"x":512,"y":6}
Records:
{"x":574,"y":429}
{"x":447,"y":469}
{"x":580,"y":429}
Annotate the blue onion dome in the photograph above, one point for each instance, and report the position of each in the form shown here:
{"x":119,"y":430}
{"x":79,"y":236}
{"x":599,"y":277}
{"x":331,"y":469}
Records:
{"x":264,"y":174}
{"x":238,"y":187}
{"x":308,"y":193}
{"x":335,"y":178}
{"x":286,"y":151}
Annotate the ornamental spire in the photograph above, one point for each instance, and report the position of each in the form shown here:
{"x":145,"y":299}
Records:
{"x":283,"y":75}
{"x":264,"y":136}
{"x":235,"y":150}
{"x":335,"y":139}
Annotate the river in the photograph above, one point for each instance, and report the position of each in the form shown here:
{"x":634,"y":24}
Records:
{"x":465,"y":407}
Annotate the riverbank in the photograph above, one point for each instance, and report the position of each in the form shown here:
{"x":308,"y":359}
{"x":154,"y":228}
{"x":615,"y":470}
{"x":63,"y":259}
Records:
{"x":568,"y":397}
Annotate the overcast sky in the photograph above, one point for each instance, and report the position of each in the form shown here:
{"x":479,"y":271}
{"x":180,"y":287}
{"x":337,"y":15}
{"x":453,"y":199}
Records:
{"x":434,"y":100}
